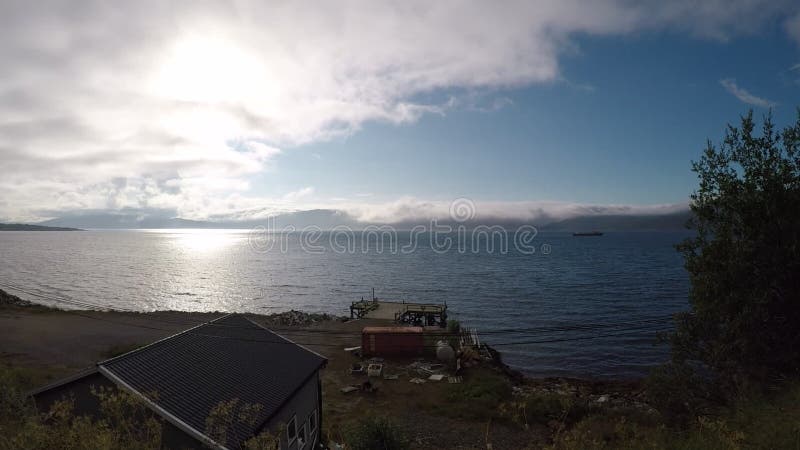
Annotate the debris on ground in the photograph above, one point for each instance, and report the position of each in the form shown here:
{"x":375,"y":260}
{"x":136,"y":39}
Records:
{"x":348,"y":389}
{"x":425,"y":369}
{"x":417,"y":380}
{"x":436,"y":377}
{"x":356,"y":369}
{"x":368,"y":387}
{"x":375,"y":370}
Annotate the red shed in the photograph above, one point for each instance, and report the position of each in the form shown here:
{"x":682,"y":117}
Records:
{"x":392,"y":341}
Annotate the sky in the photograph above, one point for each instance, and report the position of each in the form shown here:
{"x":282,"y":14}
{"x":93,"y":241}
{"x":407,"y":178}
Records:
{"x":386,"y":110}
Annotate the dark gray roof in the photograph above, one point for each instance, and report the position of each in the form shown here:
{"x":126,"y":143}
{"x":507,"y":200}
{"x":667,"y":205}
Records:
{"x":229,"y":358}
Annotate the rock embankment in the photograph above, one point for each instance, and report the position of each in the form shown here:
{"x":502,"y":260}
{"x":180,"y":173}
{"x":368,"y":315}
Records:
{"x":297,"y":318}
{"x":7,"y":299}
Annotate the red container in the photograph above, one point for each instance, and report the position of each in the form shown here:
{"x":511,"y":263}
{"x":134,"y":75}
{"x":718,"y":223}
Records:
{"x":377,"y":341}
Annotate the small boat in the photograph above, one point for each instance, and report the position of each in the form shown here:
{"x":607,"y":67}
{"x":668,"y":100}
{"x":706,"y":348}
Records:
{"x":588,"y":233}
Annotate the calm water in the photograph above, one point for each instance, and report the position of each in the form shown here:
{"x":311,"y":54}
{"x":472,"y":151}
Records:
{"x":589,"y":307}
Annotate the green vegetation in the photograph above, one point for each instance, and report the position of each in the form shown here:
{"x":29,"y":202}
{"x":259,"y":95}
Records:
{"x":553,"y":409}
{"x":225,"y":415}
{"x":124,"y":422}
{"x":478,"y":397}
{"x":117,"y":350}
{"x":745,"y":257}
{"x":376,"y":433}
{"x":453,"y":326}
{"x":753,"y":422}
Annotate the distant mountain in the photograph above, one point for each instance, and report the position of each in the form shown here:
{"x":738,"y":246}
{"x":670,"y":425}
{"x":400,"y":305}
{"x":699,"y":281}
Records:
{"x":27,"y":227}
{"x":663,"y":222}
{"x":327,"y":219}
{"x":123,"y":220}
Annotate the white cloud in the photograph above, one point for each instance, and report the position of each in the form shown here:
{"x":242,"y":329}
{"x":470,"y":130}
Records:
{"x":411,"y":209}
{"x":178,"y":104}
{"x":793,"y":28}
{"x":299,"y":194}
{"x":745,"y":96}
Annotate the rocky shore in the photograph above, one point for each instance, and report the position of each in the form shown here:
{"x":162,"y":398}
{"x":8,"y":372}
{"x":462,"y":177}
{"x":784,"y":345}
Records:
{"x":7,"y":299}
{"x":298,"y":318}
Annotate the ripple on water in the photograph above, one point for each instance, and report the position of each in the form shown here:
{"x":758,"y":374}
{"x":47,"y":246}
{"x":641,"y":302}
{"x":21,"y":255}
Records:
{"x":616,"y":278}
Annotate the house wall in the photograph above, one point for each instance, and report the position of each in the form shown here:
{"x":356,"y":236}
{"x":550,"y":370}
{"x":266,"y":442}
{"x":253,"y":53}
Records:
{"x":80,"y":390}
{"x":87,"y":404}
{"x":307,"y":399}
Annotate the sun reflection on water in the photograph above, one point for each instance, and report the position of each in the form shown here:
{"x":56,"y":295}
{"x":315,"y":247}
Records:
{"x":203,"y":241}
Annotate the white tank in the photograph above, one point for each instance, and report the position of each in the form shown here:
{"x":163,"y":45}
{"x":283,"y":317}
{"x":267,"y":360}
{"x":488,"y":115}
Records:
{"x":444,"y":352}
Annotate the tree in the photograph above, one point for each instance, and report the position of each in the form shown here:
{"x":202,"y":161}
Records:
{"x":744,"y":260}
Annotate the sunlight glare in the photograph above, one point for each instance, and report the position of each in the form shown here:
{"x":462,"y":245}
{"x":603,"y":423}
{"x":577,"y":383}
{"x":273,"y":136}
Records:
{"x":210,"y":71}
{"x":205,"y":241}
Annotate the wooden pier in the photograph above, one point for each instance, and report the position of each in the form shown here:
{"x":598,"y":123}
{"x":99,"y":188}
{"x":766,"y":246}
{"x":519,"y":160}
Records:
{"x":418,"y":314}
{"x":423,"y":314}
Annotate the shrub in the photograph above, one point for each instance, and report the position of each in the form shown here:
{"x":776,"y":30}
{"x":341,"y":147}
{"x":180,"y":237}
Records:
{"x":679,"y":393}
{"x":546,"y":407}
{"x":453,"y":326}
{"x":479,"y":396}
{"x":376,"y":433}
{"x":124,"y":422}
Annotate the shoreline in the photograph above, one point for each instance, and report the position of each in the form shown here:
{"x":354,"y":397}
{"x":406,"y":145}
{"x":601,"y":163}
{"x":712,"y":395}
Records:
{"x":294,"y":319}
{"x":171,"y":321}
{"x":50,"y":344}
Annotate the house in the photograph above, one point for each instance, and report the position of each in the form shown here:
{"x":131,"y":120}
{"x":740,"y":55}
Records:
{"x":183,"y":377}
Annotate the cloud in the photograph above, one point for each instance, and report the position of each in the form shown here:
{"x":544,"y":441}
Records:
{"x":177,"y":105}
{"x":792,"y":26}
{"x":402,"y":212}
{"x":415,"y":210}
{"x":745,"y":96}
{"x":299,"y":194}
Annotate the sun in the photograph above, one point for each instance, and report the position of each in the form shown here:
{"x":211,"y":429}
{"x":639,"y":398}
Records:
{"x":210,"y":70}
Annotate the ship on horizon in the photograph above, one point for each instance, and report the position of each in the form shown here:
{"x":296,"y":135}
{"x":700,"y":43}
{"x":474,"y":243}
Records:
{"x":588,"y":233}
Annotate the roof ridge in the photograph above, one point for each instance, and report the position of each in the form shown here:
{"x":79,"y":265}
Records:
{"x":153,"y":344}
{"x":284,"y":338}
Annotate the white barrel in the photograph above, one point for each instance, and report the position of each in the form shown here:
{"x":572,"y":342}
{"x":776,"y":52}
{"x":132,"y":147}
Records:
{"x":444,"y":352}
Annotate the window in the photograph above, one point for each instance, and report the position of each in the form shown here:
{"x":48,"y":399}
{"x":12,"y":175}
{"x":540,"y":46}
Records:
{"x":302,"y":436}
{"x":291,"y":430}
{"x":312,"y":422}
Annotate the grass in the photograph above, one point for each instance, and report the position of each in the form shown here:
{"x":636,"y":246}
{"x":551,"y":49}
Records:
{"x":756,"y":421}
{"x":117,"y":350}
{"x":478,"y":397}
{"x":376,"y":433}
{"x":28,"y":378}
